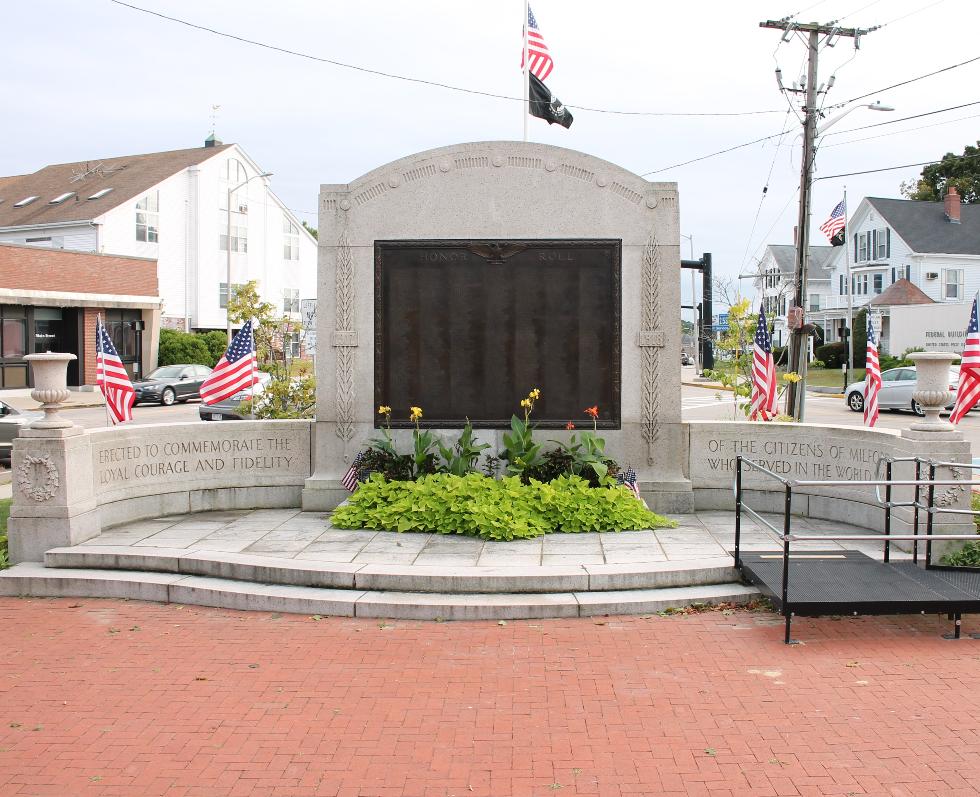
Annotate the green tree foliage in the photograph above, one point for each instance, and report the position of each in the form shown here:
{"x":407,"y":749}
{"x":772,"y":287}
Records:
{"x":217,"y":343}
{"x":245,"y":303}
{"x":735,"y":346}
{"x":311,"y":230}
{"x":183,"y":347}
{"x":959,"y":171}
{"x":861,"y":337}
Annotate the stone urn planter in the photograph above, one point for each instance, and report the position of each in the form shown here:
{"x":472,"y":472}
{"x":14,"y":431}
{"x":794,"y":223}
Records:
{"x":932,"y":389}
{"x":50,"y":387}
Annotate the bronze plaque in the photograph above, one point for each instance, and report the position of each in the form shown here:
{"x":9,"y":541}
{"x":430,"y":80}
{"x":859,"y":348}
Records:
{"x":464,"y":329}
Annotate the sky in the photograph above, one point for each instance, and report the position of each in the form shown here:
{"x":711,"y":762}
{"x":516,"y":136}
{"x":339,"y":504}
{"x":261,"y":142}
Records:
{"x":87,"y":79}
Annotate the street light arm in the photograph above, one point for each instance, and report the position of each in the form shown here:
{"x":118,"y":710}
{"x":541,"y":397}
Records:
{"x":874,"y":106}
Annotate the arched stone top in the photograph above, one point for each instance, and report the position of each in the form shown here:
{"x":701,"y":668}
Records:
{"x":500,"y":159}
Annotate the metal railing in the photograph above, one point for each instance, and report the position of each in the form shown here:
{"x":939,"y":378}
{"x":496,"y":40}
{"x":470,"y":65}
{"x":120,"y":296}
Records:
{"x":786,"y":536}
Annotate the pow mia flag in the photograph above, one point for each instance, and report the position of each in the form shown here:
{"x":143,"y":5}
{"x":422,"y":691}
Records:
{"x":545,"y":105}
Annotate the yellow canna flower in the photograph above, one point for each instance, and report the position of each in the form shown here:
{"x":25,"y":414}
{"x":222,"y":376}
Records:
{"x":416,"y":413}
{"x":526,"y":403}
{"x":384,"y":409}
{"x":534,"y":395}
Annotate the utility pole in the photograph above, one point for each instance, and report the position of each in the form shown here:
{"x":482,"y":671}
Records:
{"x":796,"y":391}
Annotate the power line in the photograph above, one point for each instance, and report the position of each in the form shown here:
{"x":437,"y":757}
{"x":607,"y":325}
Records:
{"x":896,"y":168}
{"x":900,"y":132}
{"x":906,"y":82}
{"x":713,"y":154}
{"x":422,"y":81}
{"x":911,"y":13}
{"x":903,"y":119}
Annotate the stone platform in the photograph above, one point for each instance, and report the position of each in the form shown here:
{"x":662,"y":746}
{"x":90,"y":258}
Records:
{"x":287,"y":560}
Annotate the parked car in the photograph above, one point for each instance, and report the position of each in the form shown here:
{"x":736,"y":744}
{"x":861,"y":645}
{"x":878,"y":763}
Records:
{"x":170,"y":383}
{"x":686,"y":359}
{"x":10,"y":422}
{"x":897,"y":386}
{"x":228,"y":410}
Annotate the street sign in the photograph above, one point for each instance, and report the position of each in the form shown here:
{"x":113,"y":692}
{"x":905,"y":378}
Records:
{"x":721,"y":325}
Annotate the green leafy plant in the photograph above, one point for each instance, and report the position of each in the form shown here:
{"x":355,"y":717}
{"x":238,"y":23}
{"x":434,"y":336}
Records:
{"x":283,"y":397}
{"x":520,"y":450}
{"x":4,"y":514}
{"x":461,"y":458}
{"x":492,"y":509}
{"x":424,"y":445}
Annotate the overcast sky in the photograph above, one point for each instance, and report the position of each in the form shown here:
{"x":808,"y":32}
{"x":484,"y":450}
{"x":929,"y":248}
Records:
{"x":86,"y":79}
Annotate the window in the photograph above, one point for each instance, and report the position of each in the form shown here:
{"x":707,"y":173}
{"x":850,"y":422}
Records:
{"x":882,"y":241}
{"x":223,"y":293}
{"x":292,"y":344}
{"x":908,"y":272}
{"x":814,"y":301}
{"x":843,"y":285}
{"x":239,"y":232}
{"x":861,"y":247}
{"x":290,"y":239}
{"x":235,"y":174}
{"x":864,"y":285}
{"x":953,"y":283}
{"x":893,"y":275}
{"x":290,"y":300}
{"x":879,"y":280}
{"x":907,"y":375}
{"x":148,"y":218}
{"x":892,"y":376}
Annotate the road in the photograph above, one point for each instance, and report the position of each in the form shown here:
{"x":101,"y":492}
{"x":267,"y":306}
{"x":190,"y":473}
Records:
{"x":705,"y":404}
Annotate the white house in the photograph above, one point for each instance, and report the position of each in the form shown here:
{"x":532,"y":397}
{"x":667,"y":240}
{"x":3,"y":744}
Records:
{"x":171,"y":207}
{"x":933,"y":245}
{"x":775,"y":281}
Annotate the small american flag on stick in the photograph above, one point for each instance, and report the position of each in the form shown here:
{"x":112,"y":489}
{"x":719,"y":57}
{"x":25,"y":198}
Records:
{"x":350,"y":480}
{"x":538,"y":57}
{"x":763,"y":372}
{"x":872,"y":377}
{"x":236,"y":370}
{"x":628,"y":480}
{"x":111,"y":377}
{"x":968,"y":390}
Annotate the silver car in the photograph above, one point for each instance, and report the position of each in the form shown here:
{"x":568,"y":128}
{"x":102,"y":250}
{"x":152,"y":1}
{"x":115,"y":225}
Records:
{"x":229,"y":409}
{"x":10,"y":422}
{"x":897,"y":387}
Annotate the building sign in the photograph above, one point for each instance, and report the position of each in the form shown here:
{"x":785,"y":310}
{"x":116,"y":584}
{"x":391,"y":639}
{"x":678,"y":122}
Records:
{"x":933,"y":327}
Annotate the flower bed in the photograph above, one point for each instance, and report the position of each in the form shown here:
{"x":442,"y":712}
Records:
{"x":570,"y":488}
{"x":493,"y":509}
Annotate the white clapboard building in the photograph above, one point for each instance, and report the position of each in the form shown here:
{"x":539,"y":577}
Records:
{"x":171,"y":207}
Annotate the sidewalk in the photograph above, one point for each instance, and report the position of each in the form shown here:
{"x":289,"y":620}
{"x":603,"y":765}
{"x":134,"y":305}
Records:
{"x":21,"y":399}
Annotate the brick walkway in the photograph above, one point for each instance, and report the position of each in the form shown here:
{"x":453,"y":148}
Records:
{"x":116,"y":698}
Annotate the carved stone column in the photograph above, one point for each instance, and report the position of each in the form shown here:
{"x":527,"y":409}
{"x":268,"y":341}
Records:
{"x":53,"y":490}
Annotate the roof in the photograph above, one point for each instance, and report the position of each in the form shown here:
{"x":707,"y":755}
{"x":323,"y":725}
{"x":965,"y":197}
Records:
{"x":901,"y":292}
{"x":923,"y":225}
{"x":818,"y":266}
{"x":128,"y":176}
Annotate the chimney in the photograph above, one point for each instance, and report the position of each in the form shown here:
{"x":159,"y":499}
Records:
{"x":951,"y":205}
{"x":211,"y":141}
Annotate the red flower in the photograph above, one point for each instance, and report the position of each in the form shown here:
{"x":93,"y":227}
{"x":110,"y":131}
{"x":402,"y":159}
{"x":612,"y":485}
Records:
{"x":569,"y":426}
{"x":593,"y":411}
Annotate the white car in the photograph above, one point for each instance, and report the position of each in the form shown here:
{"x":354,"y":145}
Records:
{"x":897,"y":387}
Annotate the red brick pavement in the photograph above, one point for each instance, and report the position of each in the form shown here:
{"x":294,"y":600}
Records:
{"x":118,"y":698}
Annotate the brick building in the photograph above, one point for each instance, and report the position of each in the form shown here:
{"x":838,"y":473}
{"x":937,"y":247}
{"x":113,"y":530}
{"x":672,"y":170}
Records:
{"x":49,"y":301}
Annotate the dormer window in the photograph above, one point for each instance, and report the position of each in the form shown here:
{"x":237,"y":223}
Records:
{"x":25,"y":201}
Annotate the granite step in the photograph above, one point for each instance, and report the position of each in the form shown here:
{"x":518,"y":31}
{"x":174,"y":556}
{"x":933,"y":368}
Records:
{"x":33,"y":579}
{"x":448,"y":579}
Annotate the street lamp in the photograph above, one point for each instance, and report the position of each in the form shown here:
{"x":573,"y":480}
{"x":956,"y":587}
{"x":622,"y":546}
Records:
{"x":228,"y":248}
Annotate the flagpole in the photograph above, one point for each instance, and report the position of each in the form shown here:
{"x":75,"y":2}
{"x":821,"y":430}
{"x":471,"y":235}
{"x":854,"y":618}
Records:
{"x":850,"y":294}
{"x":525,"y":72}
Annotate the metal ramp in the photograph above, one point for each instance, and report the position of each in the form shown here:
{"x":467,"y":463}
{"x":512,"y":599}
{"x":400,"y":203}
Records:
{"x":812,"y":583}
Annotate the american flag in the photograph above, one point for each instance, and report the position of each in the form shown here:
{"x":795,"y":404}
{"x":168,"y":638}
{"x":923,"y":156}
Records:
{"x":538,"y":58}
{"x":968,"y":390}
{"x":236,"y":370}
{"x":872,"y":377}
{"x":350,"y":480}
{"x":111,"y":377}
{"x":763,"y":372}
{"x":836,"y":222}
{"x":628,"y":480}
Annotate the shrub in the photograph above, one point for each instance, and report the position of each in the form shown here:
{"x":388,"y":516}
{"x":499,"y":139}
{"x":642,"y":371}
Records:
{"x":4,"y":514}
{"x":181,"y":347}
{"x":217,"y":343}
{"x":833,"y":355}
{"x":505,"y":509}
{"x":817,"y":364}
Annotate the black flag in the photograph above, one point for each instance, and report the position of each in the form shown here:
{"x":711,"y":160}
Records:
{"x":546,"y":106}
{"x":839,"y":238}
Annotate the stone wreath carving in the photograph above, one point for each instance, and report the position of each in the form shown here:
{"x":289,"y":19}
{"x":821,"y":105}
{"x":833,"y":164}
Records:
{"x":38,"y":478}
{"x":951,"y":495}
{"x":649,"y":300}
{"x":344,"y":287}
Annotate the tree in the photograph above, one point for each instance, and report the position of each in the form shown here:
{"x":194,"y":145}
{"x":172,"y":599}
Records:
{"x":179,"y":348}
{"x":245,"y":303}
{"x":217,"y":343}
{"x":311,"y":230}
{"x":959,"y":171}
